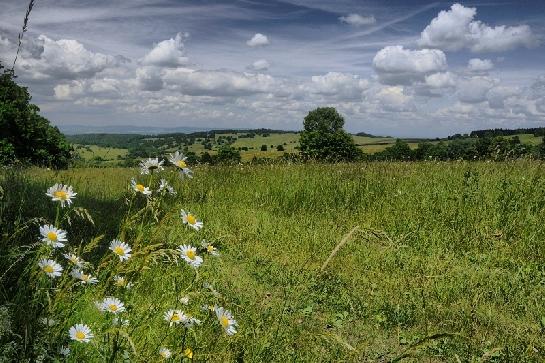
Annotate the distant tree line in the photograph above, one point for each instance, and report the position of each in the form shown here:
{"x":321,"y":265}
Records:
{"x":536,"y":131}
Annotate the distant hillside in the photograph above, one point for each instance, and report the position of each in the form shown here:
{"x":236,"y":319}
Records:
{"x":125,"y":129}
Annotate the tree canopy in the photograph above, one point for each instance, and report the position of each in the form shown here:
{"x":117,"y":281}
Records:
{"x":25,"y":136}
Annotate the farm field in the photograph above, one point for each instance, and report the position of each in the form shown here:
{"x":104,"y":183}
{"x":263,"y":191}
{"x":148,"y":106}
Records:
{"x":444,"y":262}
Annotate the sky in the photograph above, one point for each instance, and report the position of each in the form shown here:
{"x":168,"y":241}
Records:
{"x":390,"y":67}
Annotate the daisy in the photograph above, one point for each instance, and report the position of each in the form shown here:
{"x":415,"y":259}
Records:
{"x":179,"y":160}
{"x":210,"y":248}
{"x":52,"y":236}
{"x":112,"y":305}
{"x":191,"y":220}
{"x":190,"y":322}
{"x":140,"y":188}
{"x":120,"y":322}
{"x":150,"y":165}
{"x":164,"y":185}
{"x":84,"y":278}
{"x":189,"y":254}
{"x":226,"y":320}
{"x":121,"y":281}
{"x":184,"y":300}
{"x":165,"y":353}
{"x":65,"y":351}
{"x":121,"y":249}
{"x":50,"y":267}
{"x":61,"y":193}
{"x":74,"y":259}
{"x":175,"y":317}
{"x":81,"y":333}
{"x":188,"y":353}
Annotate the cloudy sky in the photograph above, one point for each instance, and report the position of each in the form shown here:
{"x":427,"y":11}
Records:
{"x":396,"y":67}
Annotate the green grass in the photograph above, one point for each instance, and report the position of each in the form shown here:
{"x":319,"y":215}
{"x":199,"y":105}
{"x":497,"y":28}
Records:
{"x":107,"y":154}
{"x":447,"y":263}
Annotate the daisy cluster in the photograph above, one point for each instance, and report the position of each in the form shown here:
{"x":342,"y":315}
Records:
{"x":53,"y":239}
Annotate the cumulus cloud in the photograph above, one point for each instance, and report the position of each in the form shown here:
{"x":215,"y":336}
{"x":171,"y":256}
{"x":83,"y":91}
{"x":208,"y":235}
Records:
{"x":479,"y":65}
{"x":440,"y":80}
{"x":259,"y":65}
{"x":258,"y":40}
{"x":396,"y":65}
{"x":168,"y":53}
{"x":474,"y":89}
{"x":63,"y":59}
{"x":358,"y":20}
{"x":456,"y":29}
{"x":499,"y":94}
{"x":341,"y":85}
{"x":393,"y":98}
{"x":149,"y":78}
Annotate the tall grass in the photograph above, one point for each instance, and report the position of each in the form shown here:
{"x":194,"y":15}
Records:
{"x":446,"y":263}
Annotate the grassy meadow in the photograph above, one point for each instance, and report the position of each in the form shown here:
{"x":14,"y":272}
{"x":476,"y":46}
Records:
{"x":432,"y":262}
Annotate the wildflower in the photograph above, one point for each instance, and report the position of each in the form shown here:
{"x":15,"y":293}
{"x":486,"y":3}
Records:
{"x":84,"y":278}
{"x":164,"y":185}
{"x":53,"y":236}
{"x":226,"y":320}
{"x":175,"y":317}
{"x":188,"y":353}
{"x":184,"y":300}
{"x":121,"y":249}
{"x":179,"y":160}
{"x":50,"y":267}
{"x":120,"y":322}
{"x":150,"y":165}
{"x":61,"y":193}
{"x":74,"y":259}
{"x":190,"y":322}
{"x":165,"y":353}
{"x":64,"y":351}
{"x":111,"y":305}
{"x":121,"y":281}
{"x":48,"y":321}
{"x":191,"y":220}
{"x":210,"y":248}
{"x":81,"y":333}
{"x":189,"y":254}
{"x":140,"y":188}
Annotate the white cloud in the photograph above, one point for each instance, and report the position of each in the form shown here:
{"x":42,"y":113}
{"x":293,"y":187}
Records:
{"x":259,"y":65}
{"x":63,"y":59}
{"x":474,"y":89}
{"x":394,"y":99}
{"x":479,"y":65}
{"x":149,"y":78}
{"x":341,"y":85}
{"x":456,"y":29}
{"x":168,"y":53}
{"x":68,"y":91}
{"x":499,"y":94}
{"x":396,"y":65}
{"x":440,"y":80}
{"x":358,"y":20}
{"x":258,"y":40}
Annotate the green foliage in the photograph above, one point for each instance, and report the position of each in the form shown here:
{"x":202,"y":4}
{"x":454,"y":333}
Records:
{"x":324,"y":138}
{"x":25,"y":136}
{"x":227,"y":155}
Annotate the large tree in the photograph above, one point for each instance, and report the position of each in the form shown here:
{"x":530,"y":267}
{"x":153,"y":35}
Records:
{"x":25,"y":136}
{"x":324,"y":138}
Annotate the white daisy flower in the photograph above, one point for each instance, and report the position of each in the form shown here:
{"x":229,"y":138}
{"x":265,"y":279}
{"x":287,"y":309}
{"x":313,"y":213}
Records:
{"x":190,"y":219}
{"x":53,"y":236}
{"x":65,"y":351}
{"x":74,"y":259}
{"x":150,"y":165}
{"x":84,"y":278}
{"x":184,"y":300}
{"x":81,"y":333}
{"x":61,"y":193}
{"x":164,"y":185}
{"x":179,"y":160}
{"x":165,"y":353}
{"x":140,"y":188}
{"x":50,"y":267}
{"x":226,"y":320}
{"x":120,"y":322}
{"x":190,"y":322}
{"x":210,"y":248}
{"x":175,"y":317}
{"x":121,"y":249}
{"x":112,"y":305}
{"x":121,"y":281}
{"x":48,"y":321}
{"x":189,"y":254}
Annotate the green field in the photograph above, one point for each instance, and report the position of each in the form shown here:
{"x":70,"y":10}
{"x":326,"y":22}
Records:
{"x":445,"y":262}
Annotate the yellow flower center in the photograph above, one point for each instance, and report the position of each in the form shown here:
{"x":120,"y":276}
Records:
{"x":80,"y":335}
{"x":210,"y":248}
{"x":181,"y":164}
{"x":164,"y":354}
{"x":113,"y":307}
{"x":49,"y":269}
{"x":85,"y":277}
{"x":191,"y":219}
{"x":61,"y":194}
{"x":120,"y":282}
{"x":175,"y":317}
{"x":140,"y":188}
{"x":191,"y":254}
{"x":73,"y":259}
{"x":118,"y":250}
{"x":52,"y":236}
{"x":224,"y":321}
{"x":188,"y":353}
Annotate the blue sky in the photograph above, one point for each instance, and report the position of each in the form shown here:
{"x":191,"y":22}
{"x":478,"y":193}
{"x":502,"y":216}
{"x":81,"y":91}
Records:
{"x":402,"y":68}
